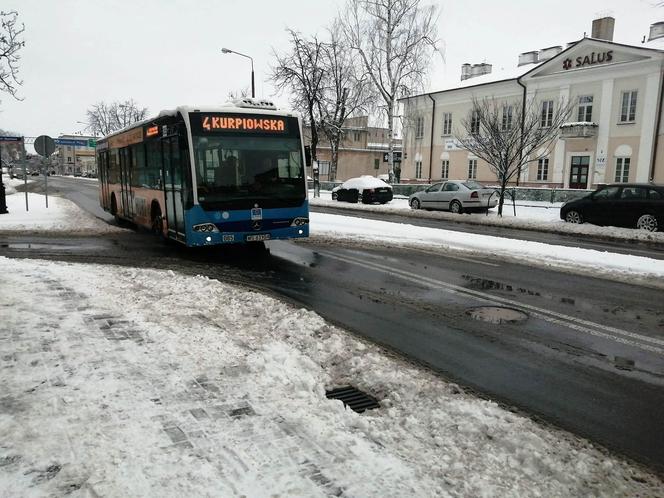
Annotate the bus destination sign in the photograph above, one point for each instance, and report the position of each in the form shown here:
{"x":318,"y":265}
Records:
{"x":243,"y":124}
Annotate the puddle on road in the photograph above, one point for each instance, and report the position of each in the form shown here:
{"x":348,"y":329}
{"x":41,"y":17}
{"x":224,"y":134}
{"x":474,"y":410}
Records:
{"x":497,"y":314}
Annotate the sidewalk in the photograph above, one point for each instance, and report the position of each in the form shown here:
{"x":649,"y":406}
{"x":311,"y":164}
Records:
{"x":129,"y":382}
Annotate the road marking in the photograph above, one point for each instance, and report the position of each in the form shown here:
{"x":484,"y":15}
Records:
{"x":578,"y":324}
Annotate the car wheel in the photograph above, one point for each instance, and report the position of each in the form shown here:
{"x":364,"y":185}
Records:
{"x":573,"y":217}
{"x":415,"y":203}
{"x":647,"y":222}
{"x":455,"y":207}
{"x":359,"y":197}
{"x":335,"y":197}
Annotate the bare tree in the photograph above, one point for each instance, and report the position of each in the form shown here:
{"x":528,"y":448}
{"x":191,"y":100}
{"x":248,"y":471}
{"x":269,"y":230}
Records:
{"x":239,"y":94}
{"x":300,"y":70}
{"x":10,"y":44}
{"x":508,"y":136}
{"x":395,"y":40}
{"x":106,"y":118}
{"x":345,"y":91}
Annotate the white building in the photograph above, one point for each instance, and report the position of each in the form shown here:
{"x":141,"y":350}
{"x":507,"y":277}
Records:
{"x":614,"y":132}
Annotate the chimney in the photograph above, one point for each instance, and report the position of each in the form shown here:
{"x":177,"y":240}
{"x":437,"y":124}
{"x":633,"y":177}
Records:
{"x":603,"y":28}
{"x":465,"y":71}
{"x":528,"y":57}
{"x":468,"y":71}
{"x":656,"y":31}
{"x":547,"y":53}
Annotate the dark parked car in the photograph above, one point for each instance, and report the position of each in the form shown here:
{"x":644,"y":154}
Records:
{"x":365,"y":189}
{"x":635,"y":205}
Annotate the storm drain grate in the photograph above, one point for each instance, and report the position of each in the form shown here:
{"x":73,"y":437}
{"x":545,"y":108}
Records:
{"x":354,"y":398}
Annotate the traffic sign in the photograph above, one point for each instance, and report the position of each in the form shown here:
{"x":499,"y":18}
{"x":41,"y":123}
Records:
{"x":74,"y":142}
{"x":44,"y":145}
{"x":10,"y":139}
{"x":92,"y":142}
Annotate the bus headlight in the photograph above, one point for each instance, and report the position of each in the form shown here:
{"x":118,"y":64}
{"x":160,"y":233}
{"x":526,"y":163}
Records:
{"x":205,"y":227}
{"x":298,"y":222}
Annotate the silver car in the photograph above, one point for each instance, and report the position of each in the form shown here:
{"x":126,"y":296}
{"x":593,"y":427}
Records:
{"x":456,"y":196}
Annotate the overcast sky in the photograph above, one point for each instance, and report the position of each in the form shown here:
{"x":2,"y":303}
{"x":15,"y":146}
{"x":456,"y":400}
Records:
{"x":167,"y":53}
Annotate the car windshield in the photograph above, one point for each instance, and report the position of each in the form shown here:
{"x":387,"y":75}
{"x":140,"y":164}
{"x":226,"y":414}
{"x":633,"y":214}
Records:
{"x":473,"y":185}
{"x":247,"y":169}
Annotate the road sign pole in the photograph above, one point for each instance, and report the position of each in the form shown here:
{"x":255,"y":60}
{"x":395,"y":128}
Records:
{"x":25,"y":175}
{"x":45,"y":182}
{"x":3,"y":198}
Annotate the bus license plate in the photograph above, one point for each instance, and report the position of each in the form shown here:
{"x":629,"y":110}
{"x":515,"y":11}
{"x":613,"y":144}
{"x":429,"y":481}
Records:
{"x":257,"y":237}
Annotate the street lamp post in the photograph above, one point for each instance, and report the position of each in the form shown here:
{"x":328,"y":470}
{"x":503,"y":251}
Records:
{"x":229,"y":51}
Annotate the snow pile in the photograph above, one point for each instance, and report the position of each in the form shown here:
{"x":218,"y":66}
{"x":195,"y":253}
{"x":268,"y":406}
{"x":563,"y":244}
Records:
{"x":531,"y":215}
{"x":61,"y":216}
{"x":614,"y":266}
{"x":155,"y":384}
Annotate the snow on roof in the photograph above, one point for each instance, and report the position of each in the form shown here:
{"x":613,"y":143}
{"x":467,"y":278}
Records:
{"x":365,"y":182}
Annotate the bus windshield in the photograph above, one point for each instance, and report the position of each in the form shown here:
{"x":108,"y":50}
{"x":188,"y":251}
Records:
{"x":237,"y":172}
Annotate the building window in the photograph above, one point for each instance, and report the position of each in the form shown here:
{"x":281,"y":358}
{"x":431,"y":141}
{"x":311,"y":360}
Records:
{"x":447,"y":123}
{"x":547,"y":114}
{"x":472,"y":169}
{"x":585,"y":109}
{"x":543,"y":169}
{"x":475,"y":122}
{"x":507,"y":117}
{"x":628,"y":108}
{"x":419,"y":127}
{"x":622,"y":169}
{"x":69,"y":159}
{"x":356,"y":136}
{"x":418,"y":169}
{"x":445,"y":170}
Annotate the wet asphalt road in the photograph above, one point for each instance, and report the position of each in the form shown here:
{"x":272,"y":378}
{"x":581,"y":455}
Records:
{"x":587,"y":355}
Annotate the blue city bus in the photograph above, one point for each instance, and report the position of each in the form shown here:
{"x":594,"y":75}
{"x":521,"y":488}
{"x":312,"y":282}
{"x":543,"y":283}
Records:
{"x":207,"y":176}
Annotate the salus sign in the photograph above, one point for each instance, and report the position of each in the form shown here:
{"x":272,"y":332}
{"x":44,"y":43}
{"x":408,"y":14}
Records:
{"x":588,"y":60}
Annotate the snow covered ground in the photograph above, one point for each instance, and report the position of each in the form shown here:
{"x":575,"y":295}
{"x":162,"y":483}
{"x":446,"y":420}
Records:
{"x":61,"y":215}
{"x":129,"y":382}
{"x":134,"y":382}
{"x":530,"y":215}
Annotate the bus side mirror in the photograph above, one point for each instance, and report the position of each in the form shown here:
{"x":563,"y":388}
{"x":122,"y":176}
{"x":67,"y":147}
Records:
{"x":307,"y":155}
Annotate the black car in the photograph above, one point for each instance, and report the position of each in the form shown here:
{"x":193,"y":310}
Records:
{"x":365,"y":189}
{"x":634,"y":205}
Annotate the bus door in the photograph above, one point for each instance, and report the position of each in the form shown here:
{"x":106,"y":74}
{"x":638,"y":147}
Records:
{"x":103,"y":179}
{"x":125,"y":183}
{"x":173,"y":185}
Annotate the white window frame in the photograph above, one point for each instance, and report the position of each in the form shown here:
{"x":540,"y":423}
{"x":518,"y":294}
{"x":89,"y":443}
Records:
{"x":419,"y":127}
{"x":472,"y":169}
{"x":628,"y":102}
{"x":447,"y":124}
{"x":508,"y":112}
{"x":418,"y":169}
{"x":543,"y":169}
{"x":444,"y":169}
{"x":585,"y":111}
{"x":546,"y":120}
{"x":621,"y":174}
{"x":474,"y":122}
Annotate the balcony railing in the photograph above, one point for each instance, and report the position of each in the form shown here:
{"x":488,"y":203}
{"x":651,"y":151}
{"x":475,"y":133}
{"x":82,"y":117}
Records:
{"x":578,"y":130}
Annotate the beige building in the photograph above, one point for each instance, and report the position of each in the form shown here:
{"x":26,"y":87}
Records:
{"x":76,"y":154}
{"x":613,"y":135}
{"x":362,"y":151}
